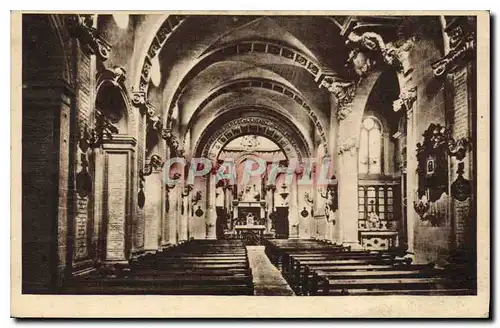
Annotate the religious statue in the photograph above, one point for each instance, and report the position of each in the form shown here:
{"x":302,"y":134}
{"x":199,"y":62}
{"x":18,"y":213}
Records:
{"x":250,"y":219}
{"x":373,"y":220}
{"x":250,"y":194}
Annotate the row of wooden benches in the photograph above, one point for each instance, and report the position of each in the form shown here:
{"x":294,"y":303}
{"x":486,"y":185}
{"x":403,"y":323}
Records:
{"x":313,"y":267}
{"x":194,"y":268}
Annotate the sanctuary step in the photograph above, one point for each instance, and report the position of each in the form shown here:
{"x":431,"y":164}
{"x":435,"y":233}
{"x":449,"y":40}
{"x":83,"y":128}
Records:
{"x":313,"y":267}
{"x":197,"y":267}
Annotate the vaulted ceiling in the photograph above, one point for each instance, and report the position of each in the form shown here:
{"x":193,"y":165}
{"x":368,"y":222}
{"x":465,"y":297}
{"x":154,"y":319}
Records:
{"x":212,"y":65}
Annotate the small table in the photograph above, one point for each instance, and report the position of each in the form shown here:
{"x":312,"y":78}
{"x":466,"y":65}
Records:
{"x":251,"y":234}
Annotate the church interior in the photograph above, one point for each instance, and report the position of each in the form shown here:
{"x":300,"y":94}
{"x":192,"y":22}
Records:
{"x":109,"y":100}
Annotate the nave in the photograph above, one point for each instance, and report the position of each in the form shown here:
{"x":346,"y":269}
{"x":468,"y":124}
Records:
{"x":159,"y":149}
{"x":310,"y":267}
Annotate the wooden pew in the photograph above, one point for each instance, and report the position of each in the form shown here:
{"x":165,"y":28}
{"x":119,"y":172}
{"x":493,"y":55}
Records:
{"x":194,"y":268}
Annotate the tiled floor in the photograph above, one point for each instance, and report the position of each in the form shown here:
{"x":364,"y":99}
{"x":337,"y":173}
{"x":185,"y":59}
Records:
{"x":267,"y":280}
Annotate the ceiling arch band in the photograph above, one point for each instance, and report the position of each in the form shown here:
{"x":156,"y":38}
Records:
{"x":285,"y":124}
{"x":171,"y":23}
{"x":214,"y":141}
{"x":269,"y":85}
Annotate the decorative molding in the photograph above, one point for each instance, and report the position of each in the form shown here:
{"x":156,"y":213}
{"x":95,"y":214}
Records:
{"x":348,"y":145}
{"x":293,"y":56}
{"x":155,"y":164}
{"x":462,"y":45}
{"x":172,"y":142}
{"x":80,"y":26}
{"x":406,"y":100}
{"x":93,"y":137}
{"x":344,"y":92}
{"x":458,"y":148}
{"x":370,"y":45}
{"x":83,"y":179}
{"x":116,"y":75}
{"x":140,"y":101}
{"x":262,"y":126}
{"x":461,"y":188}
{"x":272,"y":86}
{"x":169,"y":25}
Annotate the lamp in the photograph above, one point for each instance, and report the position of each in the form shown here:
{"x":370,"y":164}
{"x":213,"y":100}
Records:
{"x":284,"y":194}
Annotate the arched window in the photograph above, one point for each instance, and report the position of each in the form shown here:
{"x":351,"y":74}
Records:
{"x":370,"y":147}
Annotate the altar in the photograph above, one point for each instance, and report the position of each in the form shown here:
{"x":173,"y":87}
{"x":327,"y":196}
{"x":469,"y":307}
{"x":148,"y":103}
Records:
{"x":249,"y":221}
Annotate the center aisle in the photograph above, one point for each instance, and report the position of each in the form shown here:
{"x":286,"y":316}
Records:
{"x":267,"y":280}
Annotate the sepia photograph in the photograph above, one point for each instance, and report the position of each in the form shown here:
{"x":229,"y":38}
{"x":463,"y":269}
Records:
{"x":251,"y":160}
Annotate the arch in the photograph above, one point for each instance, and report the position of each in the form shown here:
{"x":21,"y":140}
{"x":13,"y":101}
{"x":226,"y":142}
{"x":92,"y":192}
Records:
{"x":172,"y":22}
{"x":255,"y":115}
{"x":45,"y":53}
{"x":259,"y":47}
{"x":269,"y":107}
{"x":349,"y":129}
{"x":243,"y":126}
{"x":110,"y":90}
{"x":210,"y":144}
{"x":268,"y":85}
{"x":60,"y":31}
{"x":169,"y":23}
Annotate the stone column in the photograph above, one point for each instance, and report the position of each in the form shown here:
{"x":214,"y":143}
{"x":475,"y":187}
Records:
{"x":293,"y":214}
{"x":152,"y":211}
{"x":348,"y":194}
{"x":117,"y":199}
{"x":411,"y":179}
{"x":99,"y":228}
{"x":211,"y":215}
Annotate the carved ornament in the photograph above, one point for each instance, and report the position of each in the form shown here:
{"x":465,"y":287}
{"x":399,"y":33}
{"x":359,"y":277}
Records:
{"x":283,"y":137}
{"x":348,"y":145}
{"x":406,"y":100}
{"x":172,"y":142}
{"x":140,"y":101}
{"x":94,"y":136}
{"x":462,"y":45}
{"x":369,"y":46}
{"x":461,"y":188}
{"x":80,"y":26}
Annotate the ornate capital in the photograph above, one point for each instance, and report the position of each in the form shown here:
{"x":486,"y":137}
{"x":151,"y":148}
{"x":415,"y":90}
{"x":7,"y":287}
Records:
{"x":117,"y":75}
{"x":155,"y":164}
{"x":140,"y":101}
{"x":81,"y":27}
{"x":458,"y":148}
{"x":94,"y":136}
{"x":348,"y":145}
{"x":405,"y":100}
{"x":396,"y":54}
{"x":462,"y":45}
{"x":369,"y":47}
{"x":344,"y":92}
{"x":172,"y":142}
